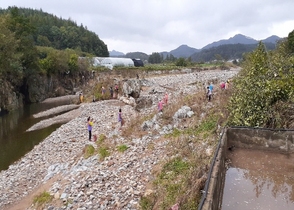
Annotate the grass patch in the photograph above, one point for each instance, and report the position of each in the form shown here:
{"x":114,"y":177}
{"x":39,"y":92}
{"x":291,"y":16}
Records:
{"x":89,"y":151}
{"x":101,"y":139}
{"x":147,"y":202}
{"x":122,"y":148}
{"x":207,"y":125}
{"x":42,"y":198}
{"x":176,"y":133}
{"x":174,"y":167}
{"x":103,"y":152}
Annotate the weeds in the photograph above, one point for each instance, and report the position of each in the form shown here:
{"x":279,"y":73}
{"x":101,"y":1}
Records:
{"x":42,"y":198}
{"x":181,"y":179}
{"x":122,"y":148}
{"x":101,"y":139}
{"x":89,"y":151}
{"x":103,"y":152}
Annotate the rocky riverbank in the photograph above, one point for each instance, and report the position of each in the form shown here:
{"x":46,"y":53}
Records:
{"x":56,"y":165}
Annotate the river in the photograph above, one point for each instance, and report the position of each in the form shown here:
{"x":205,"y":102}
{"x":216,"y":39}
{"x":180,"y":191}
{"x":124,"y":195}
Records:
{"x":15,"y":142}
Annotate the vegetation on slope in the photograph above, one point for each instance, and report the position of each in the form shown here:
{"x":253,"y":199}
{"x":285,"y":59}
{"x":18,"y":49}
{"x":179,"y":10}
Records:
{"x":264,"y":90}
{"x":51,"y":31}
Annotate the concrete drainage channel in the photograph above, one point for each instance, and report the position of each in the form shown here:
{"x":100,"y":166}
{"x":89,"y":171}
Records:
{"x":253,"y":168}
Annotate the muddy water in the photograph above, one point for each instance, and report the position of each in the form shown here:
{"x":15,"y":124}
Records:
{"x":259,"y":180}
{"x":15,"y":142}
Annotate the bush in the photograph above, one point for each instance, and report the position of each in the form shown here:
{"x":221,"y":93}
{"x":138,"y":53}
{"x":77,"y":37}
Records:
{"x":42,"y":198}
{"x":122,"y":148}
{"x":103,"y":152}
{"x":89,"y":151}
{"x":265,"y":80}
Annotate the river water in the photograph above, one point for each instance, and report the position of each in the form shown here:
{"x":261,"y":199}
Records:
{"x":15,"y":142}
{"x":259,"y":180}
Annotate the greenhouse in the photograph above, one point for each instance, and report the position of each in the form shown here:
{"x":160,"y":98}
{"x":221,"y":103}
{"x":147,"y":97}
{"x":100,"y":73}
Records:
{"x":114,"y":62}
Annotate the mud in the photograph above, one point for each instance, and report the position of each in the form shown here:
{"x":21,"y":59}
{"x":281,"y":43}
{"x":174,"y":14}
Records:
{"x":259,"y":180}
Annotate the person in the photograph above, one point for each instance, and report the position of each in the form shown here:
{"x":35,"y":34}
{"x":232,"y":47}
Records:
{"x":90,"y":123}
{"x":222,"y":85}
{"x":81,"y":98}
{"x":165,"y":98}
{"x":209,"y":93}
{"x":160,"y":106}
{"x":116,"y":91}
{"x":111,"y":92}
{"x":120,"y":119}
{"x":211,"y":87}
{"x":103,"y":90}
{"x":227,"y":84}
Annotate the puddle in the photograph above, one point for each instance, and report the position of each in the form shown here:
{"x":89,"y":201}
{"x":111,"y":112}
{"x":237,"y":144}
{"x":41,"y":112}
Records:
{"x":259,"y":180}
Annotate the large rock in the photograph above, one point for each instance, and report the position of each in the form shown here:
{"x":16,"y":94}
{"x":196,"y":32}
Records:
{"x":143,"y":103}
{"x":183,"y":112}
{"x":10,"y":98}
{"x":132,"y":88}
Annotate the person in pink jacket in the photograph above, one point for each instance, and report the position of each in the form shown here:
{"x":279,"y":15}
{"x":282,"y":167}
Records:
{"x":165,"y":98}
{"x":160,"y":106}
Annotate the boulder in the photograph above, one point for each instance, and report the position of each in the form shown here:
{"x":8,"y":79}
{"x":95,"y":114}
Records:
{"x":183,"y":112}
{"x":132,"y":88}
{"x":143,"y":103}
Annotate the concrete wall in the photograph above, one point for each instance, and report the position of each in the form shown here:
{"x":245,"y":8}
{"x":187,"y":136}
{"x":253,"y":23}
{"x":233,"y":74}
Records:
{"x":241,"y":137}
{"x":213,"y":196}
{"x":261,"y":139}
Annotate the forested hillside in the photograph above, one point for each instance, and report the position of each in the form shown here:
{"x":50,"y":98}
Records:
{"x":39,"y":56}
{"x":226,"y":52}
{"x":50,"y":31}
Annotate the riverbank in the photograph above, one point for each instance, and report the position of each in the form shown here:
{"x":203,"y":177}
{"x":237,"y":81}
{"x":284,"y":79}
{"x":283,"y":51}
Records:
{"x":57,"y":164}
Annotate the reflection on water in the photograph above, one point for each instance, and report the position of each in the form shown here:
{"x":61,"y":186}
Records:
{"x":263,"y":183}
{"x":15,"y":142}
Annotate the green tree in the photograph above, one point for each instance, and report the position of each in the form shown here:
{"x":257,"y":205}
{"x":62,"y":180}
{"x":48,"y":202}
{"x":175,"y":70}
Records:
{"x":291,"y":41}
{"x":181,"y":62}
{"x":263,"y":86}
{"x":23,"y":31}
{"x":155,"y":58}
{"x":10,"y":63}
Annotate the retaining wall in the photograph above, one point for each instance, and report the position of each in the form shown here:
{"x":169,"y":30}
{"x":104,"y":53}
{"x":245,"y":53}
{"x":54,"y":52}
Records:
{"x":281,"y":141}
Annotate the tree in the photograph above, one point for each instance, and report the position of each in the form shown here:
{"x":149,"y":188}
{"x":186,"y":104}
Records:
{"x":10,"y":63}
{"x":263,"y":89}
{"x":181,"y":62}
{"x":155,"y":58}
{"x":291,"y":41}
{"x":23,"y":31}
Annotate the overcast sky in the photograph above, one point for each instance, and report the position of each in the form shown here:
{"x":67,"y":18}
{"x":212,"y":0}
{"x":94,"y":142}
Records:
{"x":163,"y":25}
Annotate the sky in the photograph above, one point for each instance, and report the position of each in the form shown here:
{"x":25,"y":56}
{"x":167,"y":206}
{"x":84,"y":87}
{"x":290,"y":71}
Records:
{"x":163,"y":25}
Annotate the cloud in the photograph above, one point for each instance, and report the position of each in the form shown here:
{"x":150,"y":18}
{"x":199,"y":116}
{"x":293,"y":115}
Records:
{"x":155,"y":26}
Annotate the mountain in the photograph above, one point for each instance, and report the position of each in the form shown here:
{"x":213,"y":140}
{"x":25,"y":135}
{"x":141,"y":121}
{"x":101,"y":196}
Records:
{"x":241,"y":39}
{"x":232,"y":48}
{"x":272,"y":39}
{"x":237,"y":39}
{"x":183,"y":51}
{"x":227,"y":52}
{"x":137,"y":55}
{"x":114,"y":53}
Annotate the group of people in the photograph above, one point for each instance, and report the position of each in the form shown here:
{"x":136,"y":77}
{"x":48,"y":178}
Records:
{"x":209,"y":89}
{"x":90,"y":123}
{"x":113,"y":92}
{"x":162,"y":102}
{"x":225,"y":85}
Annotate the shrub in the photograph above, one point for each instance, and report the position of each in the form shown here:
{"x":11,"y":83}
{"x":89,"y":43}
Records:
{"x":265,"y":80}
{"x":103,"y":152}
{"x":42,"y":198}
{"x":89,"y":151}
{"x":122,"y":148}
